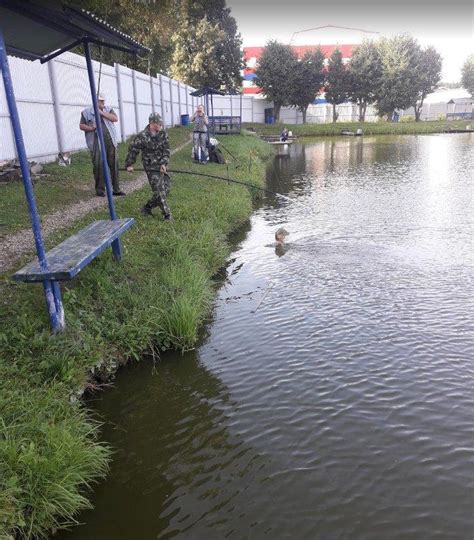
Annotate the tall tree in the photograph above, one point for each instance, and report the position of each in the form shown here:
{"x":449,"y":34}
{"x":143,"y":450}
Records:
{"x":307,"y":79}
{"x":336,"y":82}
{"x":428,"y":75}
{"x":398,"y":85}
{"x":207,"y":45}
{"x":274,"y":69}
{"x":467,"y":74}
{"x":365,"y":71}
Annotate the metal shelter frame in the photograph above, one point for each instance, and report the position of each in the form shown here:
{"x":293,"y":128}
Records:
{"x":205,"y":92}
{"x":41,"y":29}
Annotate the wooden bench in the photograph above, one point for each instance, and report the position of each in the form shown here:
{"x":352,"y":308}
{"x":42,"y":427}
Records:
{"x":67,"y":259}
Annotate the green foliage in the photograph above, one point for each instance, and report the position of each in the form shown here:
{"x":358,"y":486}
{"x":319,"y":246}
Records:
{"x":365,"y":72}
{"x":150,"y":23}
{"x":337,"y":81}
{"x":155,"y":299}
{"x":172,"y":29}
{"x":467,"y":74}
{"x":205,"y":54}
{"x":428,"y":75}
{"x":398,"y":88}
{"x":48,"y":455}
{"x":307,"y":78}
{"x":274,"y":69}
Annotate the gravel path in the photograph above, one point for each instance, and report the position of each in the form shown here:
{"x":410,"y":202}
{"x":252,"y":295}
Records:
{"x":22,"y":242}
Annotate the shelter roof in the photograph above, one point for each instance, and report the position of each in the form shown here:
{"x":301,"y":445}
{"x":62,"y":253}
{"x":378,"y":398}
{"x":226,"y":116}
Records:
{"x":34,"y":29}
{"x":206,"y":90}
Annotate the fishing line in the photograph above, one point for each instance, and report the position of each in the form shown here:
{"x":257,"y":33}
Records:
{"x":223,"y":178}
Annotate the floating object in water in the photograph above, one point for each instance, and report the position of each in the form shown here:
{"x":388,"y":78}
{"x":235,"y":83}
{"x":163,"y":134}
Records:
{"x":357,"y":133}
{"x":280,"y":143}
{"x":280,"y":235}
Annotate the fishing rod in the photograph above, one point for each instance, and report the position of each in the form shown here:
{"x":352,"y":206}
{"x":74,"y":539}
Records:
{"x":247,"y":184}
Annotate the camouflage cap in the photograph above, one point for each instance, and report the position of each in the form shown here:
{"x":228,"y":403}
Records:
{"x":155,"y":118}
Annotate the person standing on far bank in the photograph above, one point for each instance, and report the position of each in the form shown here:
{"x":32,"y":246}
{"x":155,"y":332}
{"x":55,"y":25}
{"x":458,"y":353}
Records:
{"x":154,"y":145}
{"x":88,"y":124}
{"x":200,"y":134}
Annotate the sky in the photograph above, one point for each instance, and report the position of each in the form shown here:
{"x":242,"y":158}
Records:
{"x":447,"y":25}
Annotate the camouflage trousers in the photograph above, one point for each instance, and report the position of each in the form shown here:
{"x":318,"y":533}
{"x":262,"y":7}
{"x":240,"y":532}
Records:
{"x":160,"y":186}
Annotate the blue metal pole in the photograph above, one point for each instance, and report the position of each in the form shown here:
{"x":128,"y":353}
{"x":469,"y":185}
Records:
{"x":52,"y":293}
{"x":116,"y":247}
{"x":206,"y":98}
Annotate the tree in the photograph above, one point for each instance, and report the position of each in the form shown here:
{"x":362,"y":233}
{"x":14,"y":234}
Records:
{"x":274,"y":69}
{"x":306,"y":81}
{"x":150,"y":23}
{"x":156,"y":25}
{"x":203,"y":56}
{"x":398,"y":85}
{"x":428,"y":75}
{"x":467,"y":74}
{"x":207,"y":29}
{"x":336,"y":82}
{"x":365,"y":72}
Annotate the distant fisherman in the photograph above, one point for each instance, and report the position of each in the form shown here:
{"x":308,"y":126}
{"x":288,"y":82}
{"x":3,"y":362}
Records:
{"x":154,"y":145}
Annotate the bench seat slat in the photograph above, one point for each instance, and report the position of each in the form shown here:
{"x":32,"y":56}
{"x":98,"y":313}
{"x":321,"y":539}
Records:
{"x":71,"y":256}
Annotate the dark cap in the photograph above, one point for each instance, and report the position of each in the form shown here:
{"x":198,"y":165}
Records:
{"x":155,"y":118}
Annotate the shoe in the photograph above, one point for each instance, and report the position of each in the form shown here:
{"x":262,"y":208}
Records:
{"x":119,"y":194}
{"x":168,"y":217}
{"x":100,"y":194}
{"x":146,"y":211}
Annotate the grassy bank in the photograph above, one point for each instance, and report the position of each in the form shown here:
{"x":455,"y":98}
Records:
{"x":155,"y":299}
{"x":369,"y":128}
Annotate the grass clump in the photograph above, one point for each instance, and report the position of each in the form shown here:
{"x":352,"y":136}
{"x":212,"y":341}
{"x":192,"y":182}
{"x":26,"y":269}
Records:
{"x":155,"y":299}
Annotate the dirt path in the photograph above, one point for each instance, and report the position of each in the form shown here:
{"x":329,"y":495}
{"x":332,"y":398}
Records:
{"x":14,"y":246}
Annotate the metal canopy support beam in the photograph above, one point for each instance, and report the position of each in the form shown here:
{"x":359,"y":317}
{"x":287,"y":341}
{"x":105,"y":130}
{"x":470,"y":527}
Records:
{"x":51,"y":289}
{"x":60,"y":51}
{"x":116,"y":247}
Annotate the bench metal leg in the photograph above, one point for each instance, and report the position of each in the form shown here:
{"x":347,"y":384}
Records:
{"x":54,"y":303}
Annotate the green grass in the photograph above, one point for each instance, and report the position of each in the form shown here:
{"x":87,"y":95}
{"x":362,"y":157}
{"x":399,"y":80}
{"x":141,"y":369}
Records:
{"x":369,"y":128}
{"x":63,"y":186}
{"x":155,"y":299}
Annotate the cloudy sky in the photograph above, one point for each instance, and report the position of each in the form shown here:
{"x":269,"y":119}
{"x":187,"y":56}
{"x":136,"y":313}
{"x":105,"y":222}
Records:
{"x":447,"y":25}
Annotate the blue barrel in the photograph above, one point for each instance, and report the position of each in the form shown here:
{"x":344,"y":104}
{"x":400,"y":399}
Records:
{"x":269,"y":120}
{"x":185,"y":119}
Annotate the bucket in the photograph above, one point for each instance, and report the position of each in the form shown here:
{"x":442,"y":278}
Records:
{"x":185,"y":119}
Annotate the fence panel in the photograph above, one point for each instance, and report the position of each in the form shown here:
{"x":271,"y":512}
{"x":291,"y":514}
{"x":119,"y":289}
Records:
{"x":143,"y":97}
{"x":128,"y":101}
{"x":165,"y":88}
{"x":35,"y":108}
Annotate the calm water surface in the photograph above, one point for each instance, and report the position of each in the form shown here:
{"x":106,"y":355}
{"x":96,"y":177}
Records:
{"x":332,"y":395}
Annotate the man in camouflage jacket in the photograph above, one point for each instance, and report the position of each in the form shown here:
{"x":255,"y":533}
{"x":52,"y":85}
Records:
{"x":154,"y":145}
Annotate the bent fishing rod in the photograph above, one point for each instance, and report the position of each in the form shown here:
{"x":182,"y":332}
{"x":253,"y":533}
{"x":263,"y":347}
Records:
{"x":225,"y":179}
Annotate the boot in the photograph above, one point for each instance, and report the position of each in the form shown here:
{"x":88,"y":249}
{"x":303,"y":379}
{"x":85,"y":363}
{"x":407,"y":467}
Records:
{"x":146,"y":210}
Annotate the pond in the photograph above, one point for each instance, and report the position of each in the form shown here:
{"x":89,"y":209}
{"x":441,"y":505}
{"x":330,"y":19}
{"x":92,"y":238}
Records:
{"x":331,"y":396}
